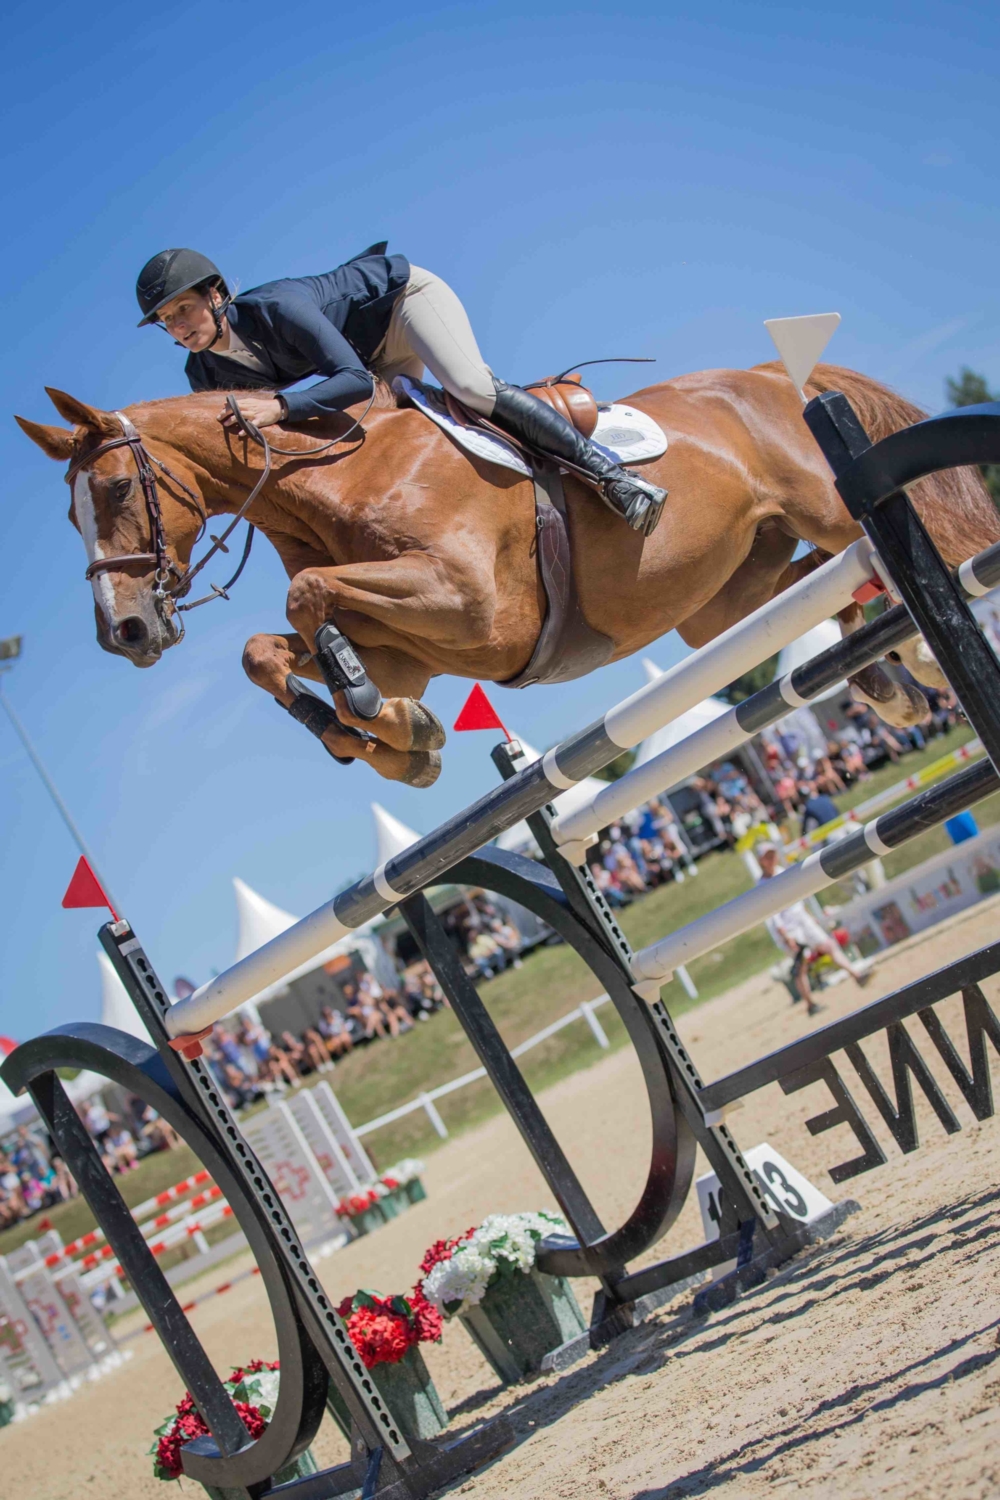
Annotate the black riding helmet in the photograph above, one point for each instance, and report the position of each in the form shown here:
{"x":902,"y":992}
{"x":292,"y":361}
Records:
{"x":170,"y":273}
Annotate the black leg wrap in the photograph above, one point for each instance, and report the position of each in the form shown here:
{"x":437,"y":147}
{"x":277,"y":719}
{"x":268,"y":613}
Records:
{"x":317,"y":715}
{"x":343,"y":672}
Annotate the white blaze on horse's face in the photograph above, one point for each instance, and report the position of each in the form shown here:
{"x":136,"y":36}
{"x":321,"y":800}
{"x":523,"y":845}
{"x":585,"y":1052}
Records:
{"x":86,"y":519}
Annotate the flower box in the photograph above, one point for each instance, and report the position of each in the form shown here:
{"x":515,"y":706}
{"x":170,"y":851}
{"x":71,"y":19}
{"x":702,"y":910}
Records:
{"x":392,"y":1203}
{"x":414,"y":1190}
{"x":386,"y":1331}
{"x":362,"y":1210}
{"x":368,"y":1219}
{"x":522,"y":1316}
{"x":409,"y":1392}
{"x":487,"y":1277}
{"x":254,"y":1393}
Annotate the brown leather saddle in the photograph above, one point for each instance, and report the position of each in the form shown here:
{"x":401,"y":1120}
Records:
{"x":567,"y":647}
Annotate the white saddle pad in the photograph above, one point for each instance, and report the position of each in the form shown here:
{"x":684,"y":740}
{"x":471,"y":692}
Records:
{"x":624,"y":434}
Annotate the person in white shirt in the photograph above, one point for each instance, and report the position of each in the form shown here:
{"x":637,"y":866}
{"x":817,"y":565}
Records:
{"x":799,"y":933}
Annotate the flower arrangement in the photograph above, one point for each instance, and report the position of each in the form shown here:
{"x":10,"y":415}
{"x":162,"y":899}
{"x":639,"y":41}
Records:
{"x":455,"y":1274}
{"x":357,"y":1203}
{"x":402,"y":1173}
{"x":383,"y":1329}
{"x":253,"y":1389}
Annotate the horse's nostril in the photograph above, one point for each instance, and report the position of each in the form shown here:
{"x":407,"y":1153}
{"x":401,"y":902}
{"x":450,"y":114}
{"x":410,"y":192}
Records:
{"x":132,"y":631}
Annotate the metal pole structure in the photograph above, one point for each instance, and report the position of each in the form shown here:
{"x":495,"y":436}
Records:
{"x":744,"y":645}
{"x":50,"y":787}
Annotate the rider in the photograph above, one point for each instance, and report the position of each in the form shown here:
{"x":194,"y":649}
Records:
{"x":375,"y":315}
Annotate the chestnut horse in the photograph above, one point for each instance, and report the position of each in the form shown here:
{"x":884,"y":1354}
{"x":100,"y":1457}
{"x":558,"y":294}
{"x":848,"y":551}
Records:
{"x":424,"y":556}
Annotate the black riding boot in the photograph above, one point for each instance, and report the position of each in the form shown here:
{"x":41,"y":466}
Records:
{"x":541,"y":427}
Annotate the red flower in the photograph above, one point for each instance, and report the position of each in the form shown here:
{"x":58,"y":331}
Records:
{"x":442,"y":1250}
{"x":189,"y":1424}
{"x":383,"y":1329}
{"x":429,"y":1322}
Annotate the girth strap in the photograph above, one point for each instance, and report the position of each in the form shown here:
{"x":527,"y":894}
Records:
{"x":567,"y":647}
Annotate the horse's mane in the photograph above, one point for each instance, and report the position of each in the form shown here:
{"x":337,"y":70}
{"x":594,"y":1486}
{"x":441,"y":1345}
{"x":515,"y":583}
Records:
{"x":955,"y":504}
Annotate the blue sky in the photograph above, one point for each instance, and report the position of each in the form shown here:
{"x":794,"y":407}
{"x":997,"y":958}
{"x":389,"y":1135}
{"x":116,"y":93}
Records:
{"x":592,"y":180}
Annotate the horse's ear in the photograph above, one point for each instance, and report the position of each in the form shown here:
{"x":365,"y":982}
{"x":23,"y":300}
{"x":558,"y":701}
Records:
{"x":56,"y":442}
{"x":81,"y":414}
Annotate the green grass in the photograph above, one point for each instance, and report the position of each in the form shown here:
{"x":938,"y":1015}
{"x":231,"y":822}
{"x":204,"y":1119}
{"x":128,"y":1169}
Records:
{"x":552,"y":981}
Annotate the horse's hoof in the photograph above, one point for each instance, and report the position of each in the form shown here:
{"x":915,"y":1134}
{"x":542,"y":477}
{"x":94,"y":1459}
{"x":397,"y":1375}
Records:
{"x":423,"y":767}
{"x":426,"y":730}
{"x":908,"y":707}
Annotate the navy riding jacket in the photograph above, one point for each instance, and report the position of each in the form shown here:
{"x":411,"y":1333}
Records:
{"x":327,"y":325}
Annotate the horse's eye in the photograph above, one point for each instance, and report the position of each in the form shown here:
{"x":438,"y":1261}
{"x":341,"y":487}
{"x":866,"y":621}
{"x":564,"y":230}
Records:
{"x":123,"y":488}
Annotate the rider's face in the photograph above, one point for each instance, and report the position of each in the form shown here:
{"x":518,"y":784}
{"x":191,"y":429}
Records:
{"x":188,"y":318}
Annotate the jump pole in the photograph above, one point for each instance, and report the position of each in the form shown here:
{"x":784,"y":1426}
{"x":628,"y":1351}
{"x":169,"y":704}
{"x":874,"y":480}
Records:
{"x":731,"y":730}
{"x":743,"y":646}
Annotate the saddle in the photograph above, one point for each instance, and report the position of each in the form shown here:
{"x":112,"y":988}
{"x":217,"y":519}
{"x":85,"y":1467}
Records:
{"x":571,"y":399}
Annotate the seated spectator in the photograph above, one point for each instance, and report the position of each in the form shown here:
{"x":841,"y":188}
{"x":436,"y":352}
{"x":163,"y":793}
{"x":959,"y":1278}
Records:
{"x":315,"y":1050}
{"x":120,"y":1145}
{"x":817,"y":808}
{"x":151,"y":1131}
{"x":417,"y":997}
{"x":281,"y":1069}
{"x":846,"y":755}
{"x":607,"y":884}
{"x":237,"y":1087}
{"x":394,"y":1013}
{"x":12,"y":1205}
{"x":365,"y":1019}
{"x":509,"y":939}
{"x":434,"y":995}
{"x":254,"y":1043}
{"x":332,"y":1027}
{"x":295,"y":1053}
{"x":486,"y":954}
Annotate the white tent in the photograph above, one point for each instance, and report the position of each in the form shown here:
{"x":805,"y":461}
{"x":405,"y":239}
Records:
{"x":258,"y":920}
{"x":391,"y":836}
{"x":680,"y":728}
{"x":116,"y":1008}
{"x":827,"y":633}
{"x":519,"y":838}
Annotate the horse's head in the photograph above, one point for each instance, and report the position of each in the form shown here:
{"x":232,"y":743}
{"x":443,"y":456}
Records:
{"x":136,"y":549}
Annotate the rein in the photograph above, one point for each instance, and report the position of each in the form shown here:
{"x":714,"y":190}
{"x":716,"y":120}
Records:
{"x":159,"y":557}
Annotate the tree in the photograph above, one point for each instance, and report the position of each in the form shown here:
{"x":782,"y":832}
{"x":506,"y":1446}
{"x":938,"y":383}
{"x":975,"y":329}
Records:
{"x":971,"y":389}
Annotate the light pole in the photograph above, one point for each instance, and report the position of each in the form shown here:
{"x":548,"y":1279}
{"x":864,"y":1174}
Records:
{"x":10,"y":650}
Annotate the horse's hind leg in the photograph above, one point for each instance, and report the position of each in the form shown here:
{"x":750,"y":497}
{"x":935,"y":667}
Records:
{"x":269,"y":659}
{"x":897,"y":703}
{"x":919,"y":660}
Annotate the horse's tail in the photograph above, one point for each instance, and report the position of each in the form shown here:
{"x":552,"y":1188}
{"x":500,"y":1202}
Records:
{"x":955,"y":505}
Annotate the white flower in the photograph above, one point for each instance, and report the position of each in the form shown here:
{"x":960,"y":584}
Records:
{"x":405,"y":1171}
{"x":502,"y":1242}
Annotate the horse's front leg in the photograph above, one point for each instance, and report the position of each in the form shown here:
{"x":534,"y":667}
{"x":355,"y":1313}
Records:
{"x":386,"y":609}
{"x":269,"y":660}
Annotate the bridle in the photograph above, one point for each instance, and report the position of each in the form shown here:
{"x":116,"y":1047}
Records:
{"x":158,"y":556}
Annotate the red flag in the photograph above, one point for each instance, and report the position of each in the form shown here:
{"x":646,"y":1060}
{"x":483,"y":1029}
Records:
{"x":478,"y":713}
{"x":85,"y":889}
